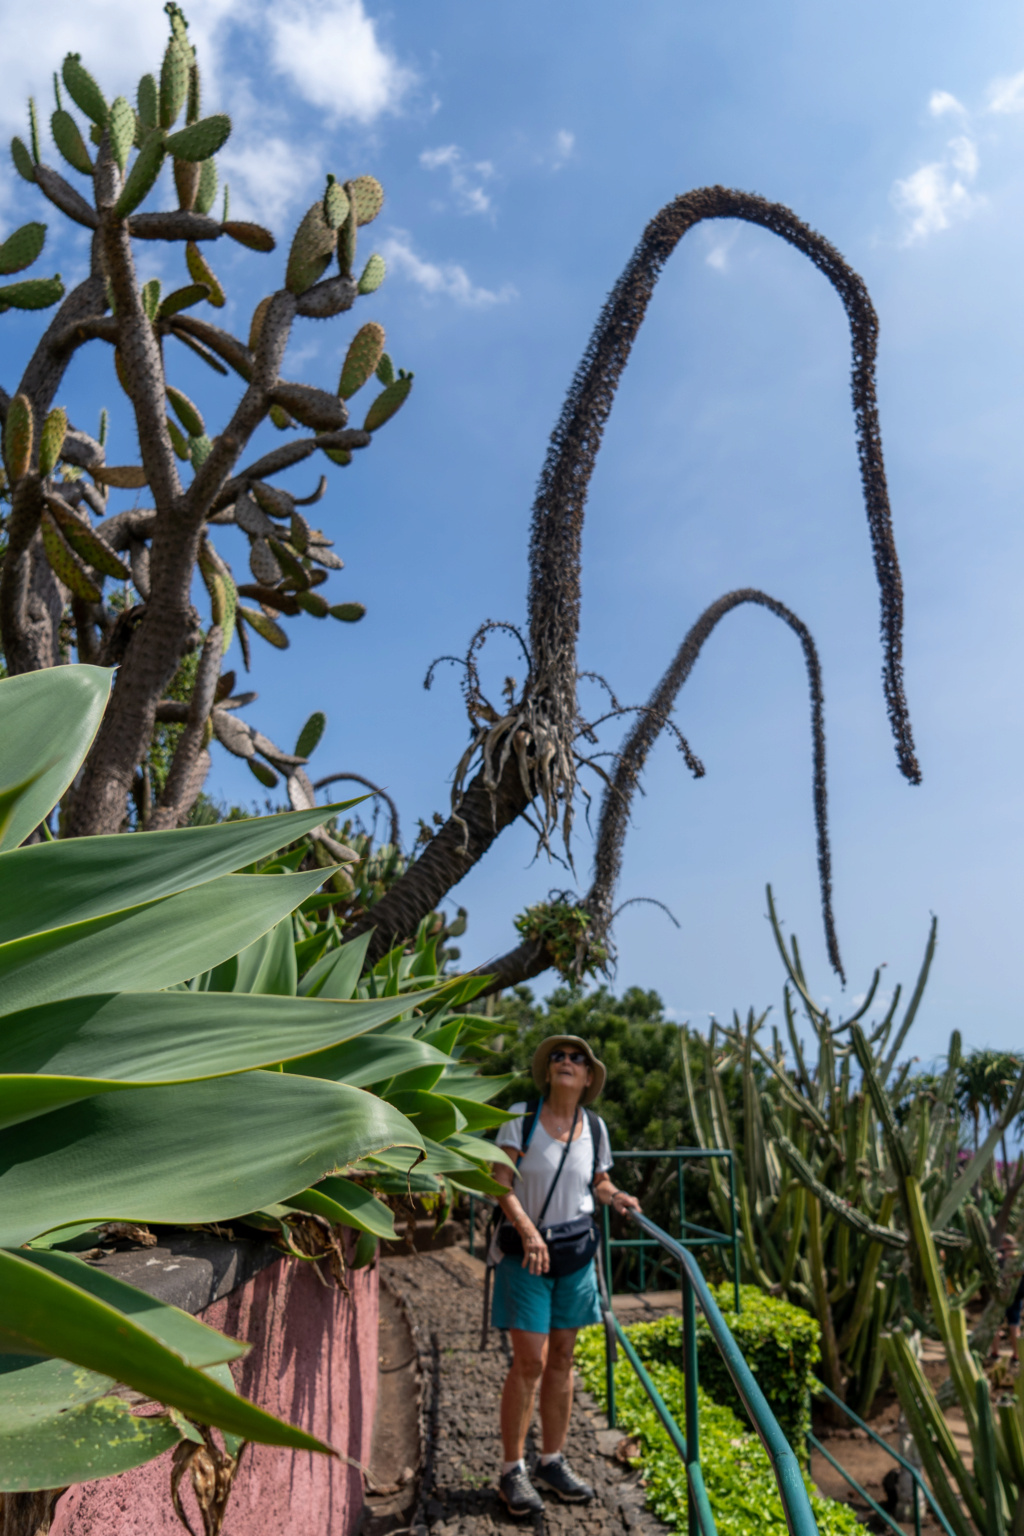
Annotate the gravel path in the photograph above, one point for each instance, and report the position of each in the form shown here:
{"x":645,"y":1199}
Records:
{"x":443,"y":1295}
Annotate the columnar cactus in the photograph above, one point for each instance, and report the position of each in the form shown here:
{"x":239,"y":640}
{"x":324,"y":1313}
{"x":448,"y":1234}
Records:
{"x":64,"y":539}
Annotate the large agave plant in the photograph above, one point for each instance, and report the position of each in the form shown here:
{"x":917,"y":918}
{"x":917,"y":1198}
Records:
{"x":128,"y":1092}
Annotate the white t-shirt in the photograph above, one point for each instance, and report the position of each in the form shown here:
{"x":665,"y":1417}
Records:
{"x":572,"y":1195}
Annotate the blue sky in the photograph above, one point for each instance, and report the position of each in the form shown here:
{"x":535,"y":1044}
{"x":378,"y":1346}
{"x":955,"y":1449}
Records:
{"x":522,"y":151}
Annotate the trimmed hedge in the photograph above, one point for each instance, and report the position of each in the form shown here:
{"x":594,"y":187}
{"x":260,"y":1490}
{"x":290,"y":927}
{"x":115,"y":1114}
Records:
{"x":778,"y":1341}
{"x":737,"y":1472}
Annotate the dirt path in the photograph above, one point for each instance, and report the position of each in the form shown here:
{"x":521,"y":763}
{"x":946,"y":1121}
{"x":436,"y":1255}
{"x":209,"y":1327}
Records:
{"x":443,"y":1297}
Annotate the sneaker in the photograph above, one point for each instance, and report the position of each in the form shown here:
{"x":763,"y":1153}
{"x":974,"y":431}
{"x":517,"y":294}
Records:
{"x":557,"y":1478}
{"x":519,"y":1493}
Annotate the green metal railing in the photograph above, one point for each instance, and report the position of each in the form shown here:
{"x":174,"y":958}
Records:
{"x":696,"y":1293}
{"x":919,"y":1484}
{"x":704,"y":1237}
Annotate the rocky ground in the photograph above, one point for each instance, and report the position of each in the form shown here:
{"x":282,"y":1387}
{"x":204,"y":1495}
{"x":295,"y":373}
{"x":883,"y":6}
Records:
{"x":442,"y":1298}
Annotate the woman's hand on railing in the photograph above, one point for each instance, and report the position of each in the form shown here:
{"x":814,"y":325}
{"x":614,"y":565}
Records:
{"x":621,"y":1202}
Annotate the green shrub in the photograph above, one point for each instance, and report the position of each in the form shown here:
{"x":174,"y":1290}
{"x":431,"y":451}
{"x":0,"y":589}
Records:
{"x":778,"y":1341}
{"x":737,"y":1472}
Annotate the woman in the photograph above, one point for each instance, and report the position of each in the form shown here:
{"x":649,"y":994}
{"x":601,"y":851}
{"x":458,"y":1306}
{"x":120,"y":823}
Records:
{"x":557,"y":1177}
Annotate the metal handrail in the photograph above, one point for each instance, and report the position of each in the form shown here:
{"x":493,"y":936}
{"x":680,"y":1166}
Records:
{"x":920,"y":1486}
{"x":783,"y":1460}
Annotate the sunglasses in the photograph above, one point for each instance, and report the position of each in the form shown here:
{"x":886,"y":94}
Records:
{"x":578,"y":1058}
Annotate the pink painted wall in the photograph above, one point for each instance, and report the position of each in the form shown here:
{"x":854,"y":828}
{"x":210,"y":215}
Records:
{"x":314,"y":1363}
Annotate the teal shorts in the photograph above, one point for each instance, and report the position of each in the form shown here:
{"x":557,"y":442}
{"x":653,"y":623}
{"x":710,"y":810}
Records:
{"x":538,"y":1303}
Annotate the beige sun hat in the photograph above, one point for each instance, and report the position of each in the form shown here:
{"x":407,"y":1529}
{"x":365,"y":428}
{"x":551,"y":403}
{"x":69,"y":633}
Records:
{"x":539,"y":1066}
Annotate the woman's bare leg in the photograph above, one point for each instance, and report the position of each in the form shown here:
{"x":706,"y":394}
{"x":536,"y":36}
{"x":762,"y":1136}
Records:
{"x":529,"y":1356}
{"x":556,"y":1390}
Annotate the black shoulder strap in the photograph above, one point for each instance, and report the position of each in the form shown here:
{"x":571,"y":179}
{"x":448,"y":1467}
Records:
{"x":530,"y":1125}
{"x":595,"y":1122}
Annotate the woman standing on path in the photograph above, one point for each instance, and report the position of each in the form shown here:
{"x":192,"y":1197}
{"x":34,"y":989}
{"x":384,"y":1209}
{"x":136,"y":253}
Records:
{"x":563,"y":1155}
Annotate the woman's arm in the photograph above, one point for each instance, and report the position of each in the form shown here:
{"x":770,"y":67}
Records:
{"x":535,"y":1249}
{"x":607,"y":1194}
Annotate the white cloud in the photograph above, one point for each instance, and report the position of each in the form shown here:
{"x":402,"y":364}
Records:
{"x":267,"y":176}
{"x":720,"y":246}
{"x":466,"y":181}
{"x":938,"y":193}
{"x":941,"y":103}
{"x":330,"y":51}
{"x":565,"y":144}
{"x":447,"y":279}
{"x":1006,"y":94}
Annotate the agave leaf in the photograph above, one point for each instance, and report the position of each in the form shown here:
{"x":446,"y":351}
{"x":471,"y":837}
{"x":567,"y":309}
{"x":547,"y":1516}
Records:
{"x":149,"y":946}
{"x":337,"y":974}
{"x":46,"y":1314}
{"x":48,"y":721}
{"x":194,"y":1153}
{"x":365,"y":1062}
{"x":347,"y":1204}
{"x":51,"y":885}
{"x":71,"y":1050}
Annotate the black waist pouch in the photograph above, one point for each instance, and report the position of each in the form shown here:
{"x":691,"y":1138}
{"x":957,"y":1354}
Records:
{"x":571,"y":1244}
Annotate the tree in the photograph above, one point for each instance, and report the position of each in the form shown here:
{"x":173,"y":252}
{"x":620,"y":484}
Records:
{"x":56,"y":560}
{"x":523,"y":758}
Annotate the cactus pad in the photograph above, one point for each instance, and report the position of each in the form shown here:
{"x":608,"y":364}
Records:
{"x":367,"y":198}
{"x":252,"y":235}
{"x":147,"y":99}
{"x":263,"y":771}
{"x":69,"y":141}
{"x":51,"y":440}
{"x":311,"y":251}
{"x":150,"y":295}
{"x":262,"y":563}
{"x":373,"y":274}
{"x":265,"y":627}
{"x":19,"y":430}
{"x":121,"y":125}
{"x":339,"y":456}
{"x":179,"y":442}
{"x":311,"y":733}
{"x":274,"y":501}
{"x":288,"y":563}
{"x":336,"y":204}
{"x":387,"y":403}
{"x":361,"y":359}
{"x":83,"y":90}
{"x":207,"y":193}
{"x":183,"y":298}
{"x":123,"y":477}
{"x":142,"y":175}
{"x":200,"y":448}
{"x":200,"y":140}
{"x":23,"y":162}
{"x":313,"y":603}
{"x":326,"y":557}
{"x":252,"y":518}
{"x":33,"y":293}
{"x":64,"y":564}
{"x":174,"y":80}
{"x":200,"y":272}
{"x":85,"y":542}
{"x":386,"y":370}
{"x":299,"y":533}
{"x":186,"y":182}
{"x":185,"y":411}
{"x":279,"y":416}
{"x":348,"y":613}
{"x":21,"y":248}
{"x":347,"y":245}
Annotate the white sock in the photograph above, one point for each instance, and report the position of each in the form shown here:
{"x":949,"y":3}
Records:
{"x":510,"y":1466}
{"x":551,"y":1456}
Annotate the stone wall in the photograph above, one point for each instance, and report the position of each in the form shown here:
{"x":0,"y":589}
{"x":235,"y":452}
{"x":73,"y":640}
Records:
{"x":313,"y":1362}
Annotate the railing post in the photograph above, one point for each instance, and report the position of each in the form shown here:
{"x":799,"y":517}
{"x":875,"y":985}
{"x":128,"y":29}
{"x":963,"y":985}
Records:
{"x":605,"y":1258}
{"x":692,"y":1429}
{"x":735,"y":1240}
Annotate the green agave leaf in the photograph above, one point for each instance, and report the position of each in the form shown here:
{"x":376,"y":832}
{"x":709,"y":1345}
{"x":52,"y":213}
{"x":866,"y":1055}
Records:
{"x":466,"y":1083}
{"x":368,"y":1061}
{"x":266,"y":968}
{"x":70,"y":1050}
{"x":51,"y":885}
{"x":420,"y":1080}
{"x":195,"y":1342}
{"x":475,"y":1116}
{"x":440,"y":1159}
{"x":479,"y":1183}
{"x":473,"y":1147}
{"x":337,"y":974}
{"x":45,"y":1314}
{"x":343,"y":1202}
{"x":200,"y":1152}
{"x":49,"y":1446}
{"x":432,"y":1115}
{"x":48,"y":721}
{"x":149,"y":946}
